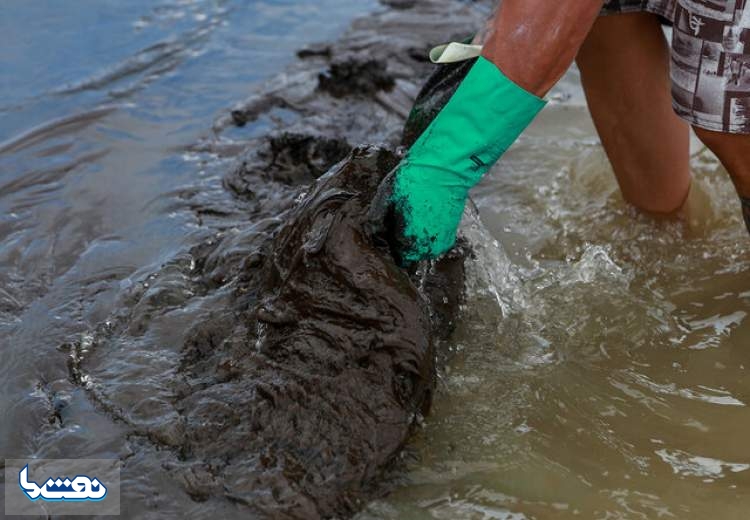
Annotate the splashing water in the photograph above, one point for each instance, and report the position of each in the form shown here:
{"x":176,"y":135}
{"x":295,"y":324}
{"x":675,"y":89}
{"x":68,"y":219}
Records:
{"x":600,"y":365}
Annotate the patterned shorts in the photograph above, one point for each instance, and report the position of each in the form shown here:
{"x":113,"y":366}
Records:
{"x":710,"y":58}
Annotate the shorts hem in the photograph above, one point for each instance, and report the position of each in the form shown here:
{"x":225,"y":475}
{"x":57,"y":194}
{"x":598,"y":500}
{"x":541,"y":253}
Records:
{"x":638,"y":9}
{"x":709,"y":125}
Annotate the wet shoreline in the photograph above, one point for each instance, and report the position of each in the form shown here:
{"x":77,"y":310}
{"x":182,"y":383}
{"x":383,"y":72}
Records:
{"x":160,"y":379}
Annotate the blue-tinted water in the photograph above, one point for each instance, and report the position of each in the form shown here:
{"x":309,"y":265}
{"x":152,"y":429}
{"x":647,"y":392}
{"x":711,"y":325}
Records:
{"x":100,"y":103}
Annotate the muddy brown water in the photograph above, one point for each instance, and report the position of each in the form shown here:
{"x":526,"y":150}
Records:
{"x":599,"y":365}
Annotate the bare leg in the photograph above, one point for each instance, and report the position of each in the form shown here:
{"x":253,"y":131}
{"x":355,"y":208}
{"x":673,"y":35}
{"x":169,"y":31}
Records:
{"x":624,"y":66}
{"x":733,"y":150}
{"x":534,"y":41}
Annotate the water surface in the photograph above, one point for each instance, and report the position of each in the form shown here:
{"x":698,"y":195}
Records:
{"x":101,"y":103}
{"x":601,"y":368}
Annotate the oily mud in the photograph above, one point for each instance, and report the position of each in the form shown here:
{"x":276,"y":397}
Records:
{"x":298,"y":406}
{"x":293,"y":398}
{"x":276,"y":367}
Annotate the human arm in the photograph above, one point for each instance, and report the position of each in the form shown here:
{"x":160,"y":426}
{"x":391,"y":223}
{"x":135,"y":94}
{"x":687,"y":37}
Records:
{"x":528,"y":47}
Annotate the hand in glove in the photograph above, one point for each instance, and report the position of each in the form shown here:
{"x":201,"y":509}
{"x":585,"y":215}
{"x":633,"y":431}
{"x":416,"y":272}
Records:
{"x":421,"y":202}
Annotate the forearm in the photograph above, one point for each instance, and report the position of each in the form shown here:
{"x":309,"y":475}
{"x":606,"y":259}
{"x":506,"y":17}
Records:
{"x":534,"y":43}
{"x":529,"y":46}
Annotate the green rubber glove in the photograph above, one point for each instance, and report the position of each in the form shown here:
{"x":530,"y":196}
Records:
{"x":426,"y":194}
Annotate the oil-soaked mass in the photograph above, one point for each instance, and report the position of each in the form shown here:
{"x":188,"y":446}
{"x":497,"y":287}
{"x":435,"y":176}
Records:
{"x":301,"y":408}
{"x":294,"y":397}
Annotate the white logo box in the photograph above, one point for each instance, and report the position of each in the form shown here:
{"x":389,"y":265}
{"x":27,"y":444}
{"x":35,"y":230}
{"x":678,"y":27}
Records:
{"x":49,"y":487}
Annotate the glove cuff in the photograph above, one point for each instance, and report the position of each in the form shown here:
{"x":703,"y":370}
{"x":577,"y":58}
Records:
{"x":483,"y":118}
